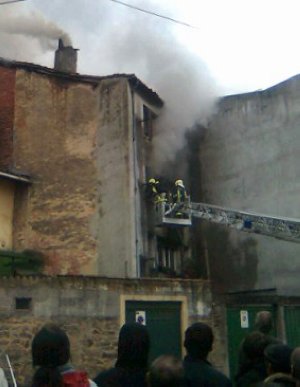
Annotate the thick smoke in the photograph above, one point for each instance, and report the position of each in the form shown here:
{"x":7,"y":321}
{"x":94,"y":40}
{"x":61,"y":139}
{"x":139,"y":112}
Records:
{"x":148,"y":47}
{"x":24,"y":36}
{"x":115,"y":39}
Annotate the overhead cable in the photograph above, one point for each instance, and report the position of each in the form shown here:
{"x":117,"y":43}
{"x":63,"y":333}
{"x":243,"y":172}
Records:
{"x":10,"y":1}
{"x":155,"y":14}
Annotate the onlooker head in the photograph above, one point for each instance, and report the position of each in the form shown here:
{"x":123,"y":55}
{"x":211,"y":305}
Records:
{"x":295,"y":363}
{"x":264,"y":322}
{"x":198,"y":340}
{"x":133,"y":346}
{"x":166,"y":371}
{"x":278,"y":357}
{"x":254,"y":346}
{"x":50,"y":349}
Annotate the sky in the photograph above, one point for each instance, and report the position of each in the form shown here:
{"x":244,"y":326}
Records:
{"x":245,"y":44}
{"x":234,"y":46}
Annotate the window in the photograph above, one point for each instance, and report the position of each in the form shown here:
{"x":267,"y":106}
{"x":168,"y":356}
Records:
{"x":148,"y":117}
{"x":23,"y":303}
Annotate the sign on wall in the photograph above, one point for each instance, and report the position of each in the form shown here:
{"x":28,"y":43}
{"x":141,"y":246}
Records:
{"x":244,"y":319}
{"x":140,"y":317}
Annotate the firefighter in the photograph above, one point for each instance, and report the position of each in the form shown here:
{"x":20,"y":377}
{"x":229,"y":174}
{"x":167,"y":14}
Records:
{"x":179,"y":197}
{"x":152,"y":191}
{"x":162,"y":193}
{"x":179,"y":193}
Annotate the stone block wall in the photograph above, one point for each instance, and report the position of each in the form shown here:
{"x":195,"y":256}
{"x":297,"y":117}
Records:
{"x":90,"y":310}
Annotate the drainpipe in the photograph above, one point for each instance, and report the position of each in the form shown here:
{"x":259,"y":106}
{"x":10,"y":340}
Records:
{"x":135,"y":175}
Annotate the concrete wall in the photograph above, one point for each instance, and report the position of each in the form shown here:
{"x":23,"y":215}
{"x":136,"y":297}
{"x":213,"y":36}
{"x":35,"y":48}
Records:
{"x":91,"y":310}
{"x":116,"y":164}
{"x":249,"y":158}
{"x":7,"y":190}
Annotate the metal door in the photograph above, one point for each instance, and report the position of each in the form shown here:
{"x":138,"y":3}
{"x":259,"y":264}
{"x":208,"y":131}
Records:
{"x":240,"y":321}
{"x":292,"y":325}
{"x":163,"y":320}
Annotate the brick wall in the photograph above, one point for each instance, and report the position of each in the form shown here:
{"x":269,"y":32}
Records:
{"x":7,"y":103}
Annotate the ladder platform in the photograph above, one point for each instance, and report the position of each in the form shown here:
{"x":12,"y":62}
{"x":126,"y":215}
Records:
{"x":166,"y":215}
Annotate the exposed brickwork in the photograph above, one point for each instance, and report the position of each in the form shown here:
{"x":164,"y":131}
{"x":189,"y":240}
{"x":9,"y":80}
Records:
{"x":7,"y":103}
{"x":54,"y":142}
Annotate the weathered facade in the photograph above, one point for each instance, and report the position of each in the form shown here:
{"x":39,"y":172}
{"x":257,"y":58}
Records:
{"x":249,"y":157}
{"x":77,"y":139}
{"x":75,"y":156}
{"x":91,"y":310}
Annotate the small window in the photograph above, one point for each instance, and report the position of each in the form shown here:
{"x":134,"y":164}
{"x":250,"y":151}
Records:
{"x":148,"y":117}
{"x":23,"y":303}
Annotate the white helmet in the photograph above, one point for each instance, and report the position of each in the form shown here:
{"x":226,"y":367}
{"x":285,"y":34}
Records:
{"x":180,"y":183}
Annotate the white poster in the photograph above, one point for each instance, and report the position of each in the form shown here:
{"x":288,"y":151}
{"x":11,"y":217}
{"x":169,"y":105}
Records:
{"x":140,"y":317}
{"x":244,"y":319}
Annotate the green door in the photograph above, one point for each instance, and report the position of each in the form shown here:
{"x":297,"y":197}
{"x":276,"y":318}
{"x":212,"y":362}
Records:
{"x":240,"y":321}
{"x":163,"y":322}
{"x":292,"y":325}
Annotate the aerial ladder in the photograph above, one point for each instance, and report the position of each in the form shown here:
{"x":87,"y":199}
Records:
{"x":251,"y":222}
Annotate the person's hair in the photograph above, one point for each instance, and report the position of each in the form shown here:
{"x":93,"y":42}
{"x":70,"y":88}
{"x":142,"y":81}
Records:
{"x":295,"y":363}
{"x":254,"y":345}
{"x":133,"y":346}
{"x":279,"y":357}
{"x":47,"y":377}
{"x":198,"y":340}
{"x":263,"y":321}
{"x":50,"y":349}
{"x":166,"y":371}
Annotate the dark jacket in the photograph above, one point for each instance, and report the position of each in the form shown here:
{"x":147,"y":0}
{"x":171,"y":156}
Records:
{"x":131,"y":365}
{"x":255,"y":373}
{"x":121,"y":377}
{"x":200,"y":373}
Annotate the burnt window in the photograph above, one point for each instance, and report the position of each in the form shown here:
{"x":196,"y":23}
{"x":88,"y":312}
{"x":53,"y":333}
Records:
{"x":148,"y":118}
{"x":166,"y":258}
{"x":23,"y":303}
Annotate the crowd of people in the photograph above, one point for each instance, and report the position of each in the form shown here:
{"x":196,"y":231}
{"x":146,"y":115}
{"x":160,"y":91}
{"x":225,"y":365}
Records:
{"x":263,"y":361}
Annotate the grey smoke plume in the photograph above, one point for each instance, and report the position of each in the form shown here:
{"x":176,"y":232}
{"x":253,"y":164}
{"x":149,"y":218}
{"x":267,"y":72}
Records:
{"x":18,"y":29}
{"x":148,"y":46}
{"x":115,"y":39}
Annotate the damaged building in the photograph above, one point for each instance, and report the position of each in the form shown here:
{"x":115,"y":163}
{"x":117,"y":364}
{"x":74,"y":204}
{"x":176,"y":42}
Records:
{"x":248,"y":158}
{"x":81,"y":246}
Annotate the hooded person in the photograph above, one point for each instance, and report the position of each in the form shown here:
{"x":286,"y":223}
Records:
{"x":131,"y":365}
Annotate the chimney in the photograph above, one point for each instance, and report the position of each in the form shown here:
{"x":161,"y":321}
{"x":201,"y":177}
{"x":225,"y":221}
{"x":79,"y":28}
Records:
{"x":65,"y":58}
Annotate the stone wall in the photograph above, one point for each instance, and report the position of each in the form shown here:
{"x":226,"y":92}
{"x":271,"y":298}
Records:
{"x":90,"y":310}
{"x":54,"y":139}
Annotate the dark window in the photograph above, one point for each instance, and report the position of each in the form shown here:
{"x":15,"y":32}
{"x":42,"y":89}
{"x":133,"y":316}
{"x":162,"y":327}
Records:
{"x":23,"y":303}
{"x":148,"y":117}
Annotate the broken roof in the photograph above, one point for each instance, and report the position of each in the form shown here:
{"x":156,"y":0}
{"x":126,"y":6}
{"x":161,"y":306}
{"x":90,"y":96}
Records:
{"x":134,"y":81}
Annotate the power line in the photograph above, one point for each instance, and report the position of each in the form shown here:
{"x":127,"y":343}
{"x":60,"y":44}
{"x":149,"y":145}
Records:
{"x":10,"y":1}
{"x":155,"y":14}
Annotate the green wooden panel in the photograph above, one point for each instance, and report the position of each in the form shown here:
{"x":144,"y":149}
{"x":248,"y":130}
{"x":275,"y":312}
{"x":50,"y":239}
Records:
{"x":163,"y":323}
{"x":235,"y":332}
{"x":292,"y":325}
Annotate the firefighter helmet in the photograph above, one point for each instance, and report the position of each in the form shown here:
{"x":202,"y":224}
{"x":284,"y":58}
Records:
{"x":151,"y":181}
{"x":179,"y":182}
